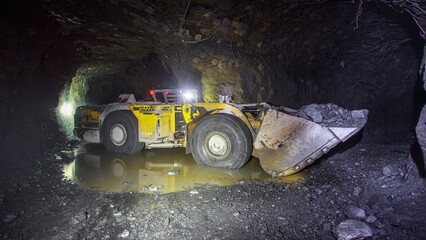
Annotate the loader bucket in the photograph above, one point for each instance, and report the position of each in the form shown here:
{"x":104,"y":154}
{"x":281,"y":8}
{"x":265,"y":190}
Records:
{"x":286,"y":144}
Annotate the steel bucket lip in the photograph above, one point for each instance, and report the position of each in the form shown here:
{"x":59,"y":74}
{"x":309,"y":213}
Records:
{"x":286,"y":144}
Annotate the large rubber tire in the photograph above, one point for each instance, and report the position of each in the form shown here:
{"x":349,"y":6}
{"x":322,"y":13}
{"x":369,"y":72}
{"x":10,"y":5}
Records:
{"x":120,"y":133}
{"x":221,"y":140}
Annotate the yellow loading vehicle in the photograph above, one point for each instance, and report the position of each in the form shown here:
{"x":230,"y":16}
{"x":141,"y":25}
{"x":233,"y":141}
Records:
{"x":219,"y":134}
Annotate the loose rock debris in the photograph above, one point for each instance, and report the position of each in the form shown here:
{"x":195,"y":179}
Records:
{"x":331,"y":115}
{"x":340,"y":197}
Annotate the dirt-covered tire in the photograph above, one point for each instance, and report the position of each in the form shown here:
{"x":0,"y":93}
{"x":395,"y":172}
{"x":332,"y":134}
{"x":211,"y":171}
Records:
{"x":221,"y":140}
{"x":119,"y":133}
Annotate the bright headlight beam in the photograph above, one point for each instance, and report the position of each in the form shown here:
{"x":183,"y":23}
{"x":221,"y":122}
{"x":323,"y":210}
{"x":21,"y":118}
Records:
{"x":188,"y":95}
{"x":66,"y":109}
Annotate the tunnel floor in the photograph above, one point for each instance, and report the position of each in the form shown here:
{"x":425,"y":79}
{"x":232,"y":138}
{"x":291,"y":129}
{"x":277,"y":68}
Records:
{"x":79,"y":191}
{"x":155,"y":171}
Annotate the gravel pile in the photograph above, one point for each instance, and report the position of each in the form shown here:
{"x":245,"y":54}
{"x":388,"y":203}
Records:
{"x":331,"y":115}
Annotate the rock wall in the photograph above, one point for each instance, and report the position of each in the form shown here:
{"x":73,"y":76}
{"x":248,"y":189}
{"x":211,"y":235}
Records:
{"x":421,"y":125}
{"x":33,"y":53}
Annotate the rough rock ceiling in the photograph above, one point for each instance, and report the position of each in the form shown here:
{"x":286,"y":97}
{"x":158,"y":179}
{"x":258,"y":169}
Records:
{"x":130,"y":29}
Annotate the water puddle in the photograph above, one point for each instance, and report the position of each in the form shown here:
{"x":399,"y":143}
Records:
{"x":155,"y":170}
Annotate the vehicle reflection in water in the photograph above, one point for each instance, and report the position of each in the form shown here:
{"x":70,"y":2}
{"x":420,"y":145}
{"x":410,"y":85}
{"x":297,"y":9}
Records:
{"x":155,"y":170}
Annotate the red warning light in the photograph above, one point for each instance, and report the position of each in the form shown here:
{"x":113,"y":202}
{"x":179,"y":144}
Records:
{"x":167,"y":93}
{"x":151,"y":92}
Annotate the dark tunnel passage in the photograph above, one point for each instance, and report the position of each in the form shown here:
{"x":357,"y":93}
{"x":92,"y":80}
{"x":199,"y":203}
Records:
{"x":106,"y":82}
{"x":58,"y":55}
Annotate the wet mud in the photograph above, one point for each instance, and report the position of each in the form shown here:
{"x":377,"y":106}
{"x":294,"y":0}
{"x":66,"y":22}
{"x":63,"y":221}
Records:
{"x":156,"y":171}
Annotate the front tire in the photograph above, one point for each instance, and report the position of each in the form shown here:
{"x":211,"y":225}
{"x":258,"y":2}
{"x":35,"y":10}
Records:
{"x":221,"y":140}
{"x":120,"y":133}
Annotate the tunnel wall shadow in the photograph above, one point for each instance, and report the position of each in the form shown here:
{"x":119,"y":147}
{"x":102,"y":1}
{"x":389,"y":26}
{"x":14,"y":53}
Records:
{"x":416,"y":154}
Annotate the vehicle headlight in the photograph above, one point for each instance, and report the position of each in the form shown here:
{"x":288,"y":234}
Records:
{"x":188,"y":95}
{"x":66,"y":109}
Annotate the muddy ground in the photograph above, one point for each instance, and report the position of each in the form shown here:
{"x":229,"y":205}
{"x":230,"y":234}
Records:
{"x":381,"y":180}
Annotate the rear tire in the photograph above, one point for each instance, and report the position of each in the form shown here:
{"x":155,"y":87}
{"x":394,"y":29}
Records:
{"x":120,"y":133}
{"x":221,"y":140}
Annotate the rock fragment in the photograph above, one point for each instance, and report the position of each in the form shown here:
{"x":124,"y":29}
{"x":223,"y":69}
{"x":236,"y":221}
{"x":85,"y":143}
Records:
{"x":284,"y":220}
{"x":354,"y":212}
{"x":314,"y":112}
{"x":326,"y":227}
{"x":9,"y":218}
{"x":125,"y":234}
{"x":357,"y":191}
{"x":318,"y":191}
{"x":193,"y":192}
{"x":352,"y":229}
{"x":358,"y":114}
{"x":80,"y":218}
{"x":371,"y":219}
{"x":388,"y":171}
{"x":379,"y":224}
{"x":166,"y":221}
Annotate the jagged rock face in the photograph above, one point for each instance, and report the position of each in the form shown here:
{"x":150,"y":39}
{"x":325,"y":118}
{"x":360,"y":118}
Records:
{"x":34,"y":64}
{"x":285,"y":52}
{"x":421,"y":125}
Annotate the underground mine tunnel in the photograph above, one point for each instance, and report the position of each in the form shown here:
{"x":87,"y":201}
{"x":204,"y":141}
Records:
{"x":360,"y":60}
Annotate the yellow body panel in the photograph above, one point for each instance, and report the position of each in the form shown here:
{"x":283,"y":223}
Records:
{"x":155,"y":121}
{"x":146,"y":124}
{"x":158,"y":121}
{"x":163,"y":125}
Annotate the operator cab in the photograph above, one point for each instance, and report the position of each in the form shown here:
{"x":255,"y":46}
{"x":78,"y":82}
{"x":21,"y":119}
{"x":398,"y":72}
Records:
{"x":175,"y":96}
